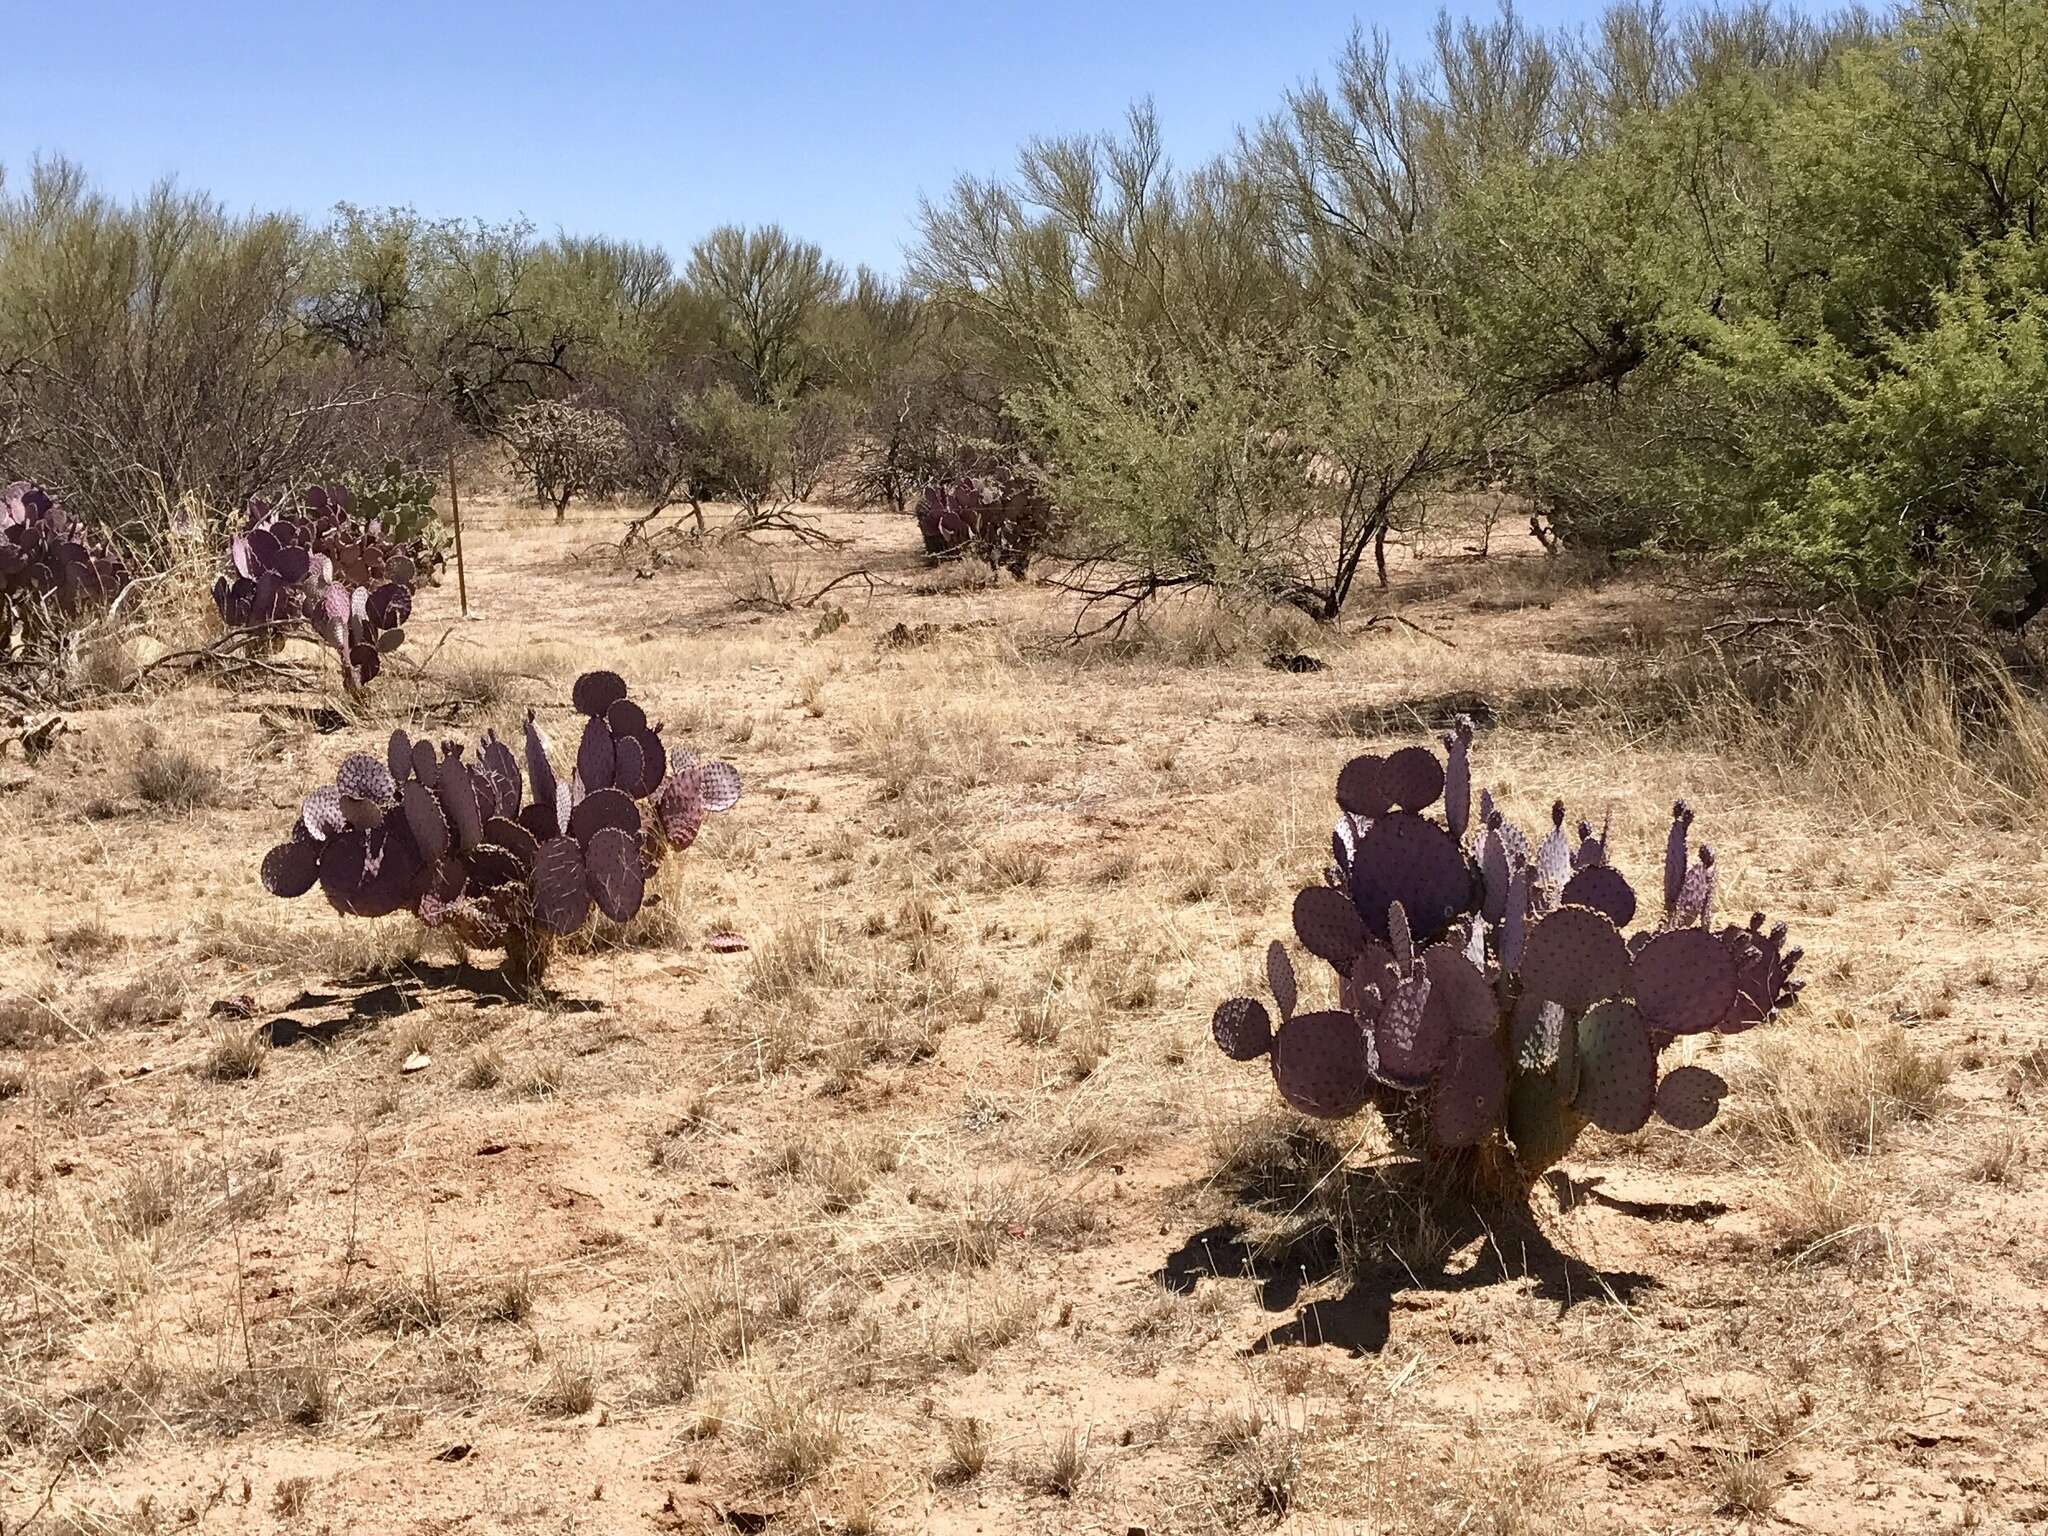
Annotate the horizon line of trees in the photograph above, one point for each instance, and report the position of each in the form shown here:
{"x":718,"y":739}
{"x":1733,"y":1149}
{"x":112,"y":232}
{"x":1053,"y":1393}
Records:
{"x":1760,"y":290}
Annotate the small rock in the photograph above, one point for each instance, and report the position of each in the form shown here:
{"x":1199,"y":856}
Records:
{"x":418,"y":1061}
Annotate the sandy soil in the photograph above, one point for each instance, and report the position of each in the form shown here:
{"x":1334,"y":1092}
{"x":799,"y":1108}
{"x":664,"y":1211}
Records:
{"x":934,"y":1210}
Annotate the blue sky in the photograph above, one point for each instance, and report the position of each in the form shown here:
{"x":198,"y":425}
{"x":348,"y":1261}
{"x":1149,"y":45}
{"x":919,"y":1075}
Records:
{"x":623,"y":117}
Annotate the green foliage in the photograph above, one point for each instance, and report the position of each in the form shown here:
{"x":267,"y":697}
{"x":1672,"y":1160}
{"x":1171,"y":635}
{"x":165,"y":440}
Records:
{"x":1790,"y":318}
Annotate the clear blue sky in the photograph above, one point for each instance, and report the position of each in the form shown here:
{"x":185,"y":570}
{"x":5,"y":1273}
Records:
{"x":637,"y":119}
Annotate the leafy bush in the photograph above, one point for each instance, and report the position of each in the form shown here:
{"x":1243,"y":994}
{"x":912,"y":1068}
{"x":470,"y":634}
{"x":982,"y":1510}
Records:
{"x":1491,"y":1005}
{"x":451,"y":842}
{"x":343,"y":579}
{"x":566,"y":450}
{"x":51,"y":576}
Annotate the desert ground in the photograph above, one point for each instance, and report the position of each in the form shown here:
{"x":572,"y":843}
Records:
{"x":934,"y":1208}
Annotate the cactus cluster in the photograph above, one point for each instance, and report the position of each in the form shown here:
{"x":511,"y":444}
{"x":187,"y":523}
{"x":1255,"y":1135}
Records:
{"x":51,"y":576}
{"x":1000,"y":516}
{"x":505,"y":860}
{"x":1490,"y":995}
{"x":342,"y":578}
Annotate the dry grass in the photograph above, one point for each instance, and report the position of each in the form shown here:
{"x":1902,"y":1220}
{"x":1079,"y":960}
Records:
{"x":172,"y":779}
{"x":846,"y":1228}
{"x":233,"y":1055}
{"x":1840,"y":1091}
{"x":1064,"y":1465}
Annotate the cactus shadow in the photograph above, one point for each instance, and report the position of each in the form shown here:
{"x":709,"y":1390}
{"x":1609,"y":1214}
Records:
{"x":358,"y":1003}
{"x":1470,"y":1248}
{"x":1572,"y":1192}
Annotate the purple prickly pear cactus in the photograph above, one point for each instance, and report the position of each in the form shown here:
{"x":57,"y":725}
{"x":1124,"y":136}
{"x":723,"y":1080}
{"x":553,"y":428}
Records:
{"x":313,"y":570}
{"x":1496,"y":985}
{"x":424,"y":831}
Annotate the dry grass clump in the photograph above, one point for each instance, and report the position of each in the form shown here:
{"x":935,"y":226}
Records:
{"x":233,"y":1055}
{"x":1838,"y":1091}
{"x":571,"y":1387}
{"x":172,"y":779}
{"x":1936,"y":729}
{"x":157,"y":996}
{"x":1063,"y":1467}
{"x":967,"y":1448}
{"x":792,"y":1433}
{"x":1826,"y":1209}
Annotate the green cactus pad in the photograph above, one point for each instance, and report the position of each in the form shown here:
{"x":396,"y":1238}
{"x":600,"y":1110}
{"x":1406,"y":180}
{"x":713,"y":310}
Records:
{"x":1319,"y":1065}
{"x":1576,"y":957}
{"x":1685,"y":981}
{"x":1541,"y":1124}
{"x":1617,"y":1068}
{"x":1536,"y":1033}
{"x":1470,"y":1090}
{"x":1329,"y":926}
{"x":1688,"y":1098}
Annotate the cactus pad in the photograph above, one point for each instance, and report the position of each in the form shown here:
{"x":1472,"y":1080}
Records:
{"x":612,"y":870}
{"x":1688,"y":1098}
{"x":1603,"y":888}
{"x":561,"y":900}
{"x":595,"y":756}
{"x":1280,"y":978}
{"x":1319,"y":1065}
{"x":291,"y":869}
{"x":1458,"y":992}
{"x":595,"y":693}
{"x":1417,"y":863}
{"x":1413,"y":779}
{"x":1617,"y":1069}
{"x":1329,"y":926}
{"x":1362,"y":786}
{"x":1408,"y":1041}
{"x":1763,"y":970}
{"x":1470,"y":1091}
{"x":1458,"y":777}
{"x":1576,"y":957}
{"x":1540,"y":1123}
{"x":1685,"y":981}
{"x":1243,"y":1029}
